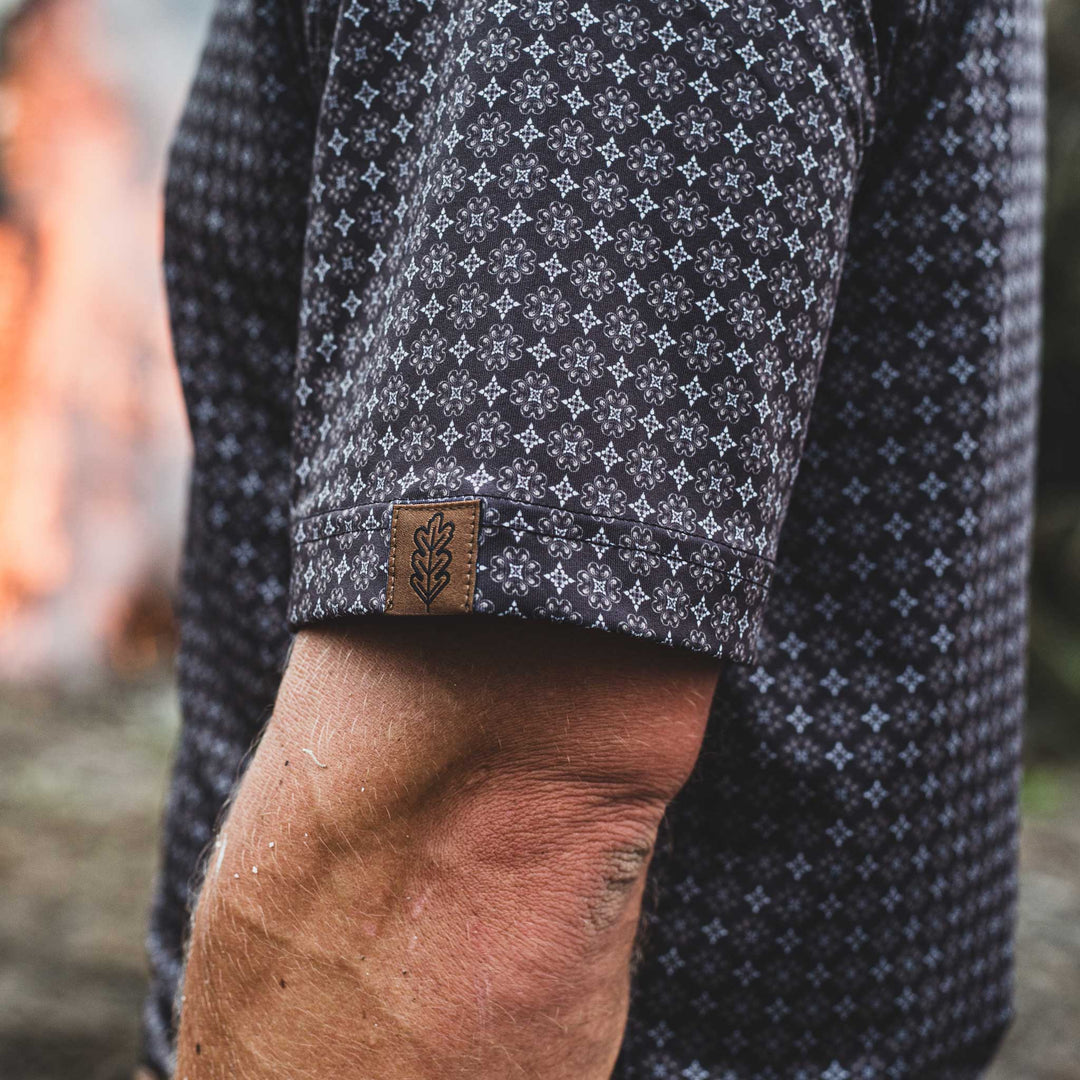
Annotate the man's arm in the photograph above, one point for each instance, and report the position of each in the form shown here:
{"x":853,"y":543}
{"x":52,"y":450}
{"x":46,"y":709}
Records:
{"x":434,"y":865}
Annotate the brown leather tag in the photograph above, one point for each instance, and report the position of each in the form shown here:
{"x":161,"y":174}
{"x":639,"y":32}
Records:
{"x":432,"y":568}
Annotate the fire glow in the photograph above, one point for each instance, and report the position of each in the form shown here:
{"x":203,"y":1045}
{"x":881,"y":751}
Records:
{"x":92,"y":440}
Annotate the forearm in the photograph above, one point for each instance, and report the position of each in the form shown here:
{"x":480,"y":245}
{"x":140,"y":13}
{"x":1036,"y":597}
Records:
{"x":434,"y":865}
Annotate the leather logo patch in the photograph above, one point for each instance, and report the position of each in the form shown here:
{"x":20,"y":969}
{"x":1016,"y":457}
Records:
{"x":432,"y":569}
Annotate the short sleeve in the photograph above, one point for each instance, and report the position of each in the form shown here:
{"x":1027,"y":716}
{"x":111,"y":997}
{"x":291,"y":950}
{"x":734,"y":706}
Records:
{"x":578,"y":267}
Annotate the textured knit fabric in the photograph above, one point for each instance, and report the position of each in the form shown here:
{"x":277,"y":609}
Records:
{"x":727,"y":312}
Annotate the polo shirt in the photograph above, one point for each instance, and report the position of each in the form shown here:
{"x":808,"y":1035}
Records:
{"x":710,"y":322}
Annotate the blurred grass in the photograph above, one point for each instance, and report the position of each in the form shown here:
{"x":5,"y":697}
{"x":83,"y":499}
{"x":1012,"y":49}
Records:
{"x":81,"y":786}
{"x":1040,"y":794}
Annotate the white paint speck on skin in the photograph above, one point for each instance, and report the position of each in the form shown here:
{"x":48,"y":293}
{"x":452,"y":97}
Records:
{"x":254,"y":869}
{"x":221,"y":853}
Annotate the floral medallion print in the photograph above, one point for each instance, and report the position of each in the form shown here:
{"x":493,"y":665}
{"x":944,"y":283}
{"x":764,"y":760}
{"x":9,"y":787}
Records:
{"x":726,"y":312}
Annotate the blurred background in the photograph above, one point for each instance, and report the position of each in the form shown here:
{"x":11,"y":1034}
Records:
{"x":93,"y":452}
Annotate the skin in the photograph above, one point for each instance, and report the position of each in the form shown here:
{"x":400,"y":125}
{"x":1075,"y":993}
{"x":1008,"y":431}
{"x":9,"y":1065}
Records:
{"x":434,"y":865}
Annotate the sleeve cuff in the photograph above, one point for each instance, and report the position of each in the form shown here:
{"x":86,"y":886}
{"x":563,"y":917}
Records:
{"x":539,"y":562}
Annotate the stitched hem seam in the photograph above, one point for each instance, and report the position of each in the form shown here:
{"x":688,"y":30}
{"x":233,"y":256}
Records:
{"x":701,"y":595}
{"x":679,"y":536}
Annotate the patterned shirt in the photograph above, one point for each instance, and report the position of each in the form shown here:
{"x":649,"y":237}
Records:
{"x":721,"y":315}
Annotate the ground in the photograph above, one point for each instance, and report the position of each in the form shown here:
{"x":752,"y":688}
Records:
{"x":81,"y":787}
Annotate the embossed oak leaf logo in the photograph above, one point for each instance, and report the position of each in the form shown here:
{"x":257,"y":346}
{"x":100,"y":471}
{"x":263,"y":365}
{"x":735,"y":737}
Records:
{"x":431,"y":558}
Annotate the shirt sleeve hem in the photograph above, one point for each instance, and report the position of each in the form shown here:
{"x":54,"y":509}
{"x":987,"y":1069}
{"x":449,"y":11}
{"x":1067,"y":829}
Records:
{"x":616,"y":574}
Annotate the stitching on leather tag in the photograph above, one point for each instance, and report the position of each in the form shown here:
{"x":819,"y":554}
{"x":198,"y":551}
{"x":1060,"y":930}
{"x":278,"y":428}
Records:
{"x":432,"y":566}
